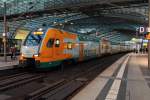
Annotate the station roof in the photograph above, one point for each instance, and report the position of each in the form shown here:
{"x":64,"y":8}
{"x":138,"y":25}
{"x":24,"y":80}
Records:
{"x":87,"y":16}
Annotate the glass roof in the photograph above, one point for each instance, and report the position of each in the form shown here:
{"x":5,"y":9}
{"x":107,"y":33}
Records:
{"x":104,"y":29}
{"x":23,"y":6}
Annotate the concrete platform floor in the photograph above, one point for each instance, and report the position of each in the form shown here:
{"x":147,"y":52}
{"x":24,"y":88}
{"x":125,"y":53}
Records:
{"x":138,"y":78}
{"x":126,"y":79}
{"x":9,"y":64}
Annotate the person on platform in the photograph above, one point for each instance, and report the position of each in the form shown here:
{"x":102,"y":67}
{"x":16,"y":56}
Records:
{"x":13,"y":52}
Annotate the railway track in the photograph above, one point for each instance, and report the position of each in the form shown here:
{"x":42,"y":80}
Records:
{"x":17,"y":80}
{"x":70,"y":82}
{"x":71,"y":86}
{"x":11,"y":76}
{"x":4,"y":74}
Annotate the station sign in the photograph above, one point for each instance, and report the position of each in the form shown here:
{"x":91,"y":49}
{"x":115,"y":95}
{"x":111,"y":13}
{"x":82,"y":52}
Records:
{"x":142,"y":29}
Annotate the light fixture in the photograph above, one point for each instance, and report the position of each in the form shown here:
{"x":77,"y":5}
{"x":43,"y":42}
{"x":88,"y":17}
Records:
{"x":133,"y":39}
{"x":4,"y":34}
{"x":66,"y":21}
{"x":22,"y":55}
{"x":40,"y":29}
{"x":36,"y":55}
{"x":55,"y":22}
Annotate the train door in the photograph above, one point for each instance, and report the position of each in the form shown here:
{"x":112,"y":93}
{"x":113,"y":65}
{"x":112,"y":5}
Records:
{"x":81,"y":51}
{"x":50,"y":45}
{"x":47,"y":48}
{"x":47,"y":45}
{"x":58,"y":44}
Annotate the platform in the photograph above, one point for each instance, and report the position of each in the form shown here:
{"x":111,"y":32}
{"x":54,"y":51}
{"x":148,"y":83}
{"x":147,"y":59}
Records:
{"x":126,"y":79}
{"x":9,"y":64}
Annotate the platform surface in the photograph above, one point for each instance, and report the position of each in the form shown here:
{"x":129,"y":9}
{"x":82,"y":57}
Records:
{"x":138,"y":78}
{"x":11,"y":63}
{"x":126,"y":79}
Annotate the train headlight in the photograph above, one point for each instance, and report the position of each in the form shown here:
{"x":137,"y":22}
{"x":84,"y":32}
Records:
{"x":36,"y":55}
{"x":22,"y":55}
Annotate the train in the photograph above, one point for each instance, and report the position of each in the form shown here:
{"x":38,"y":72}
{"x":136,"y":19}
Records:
{"x":51,"y":47}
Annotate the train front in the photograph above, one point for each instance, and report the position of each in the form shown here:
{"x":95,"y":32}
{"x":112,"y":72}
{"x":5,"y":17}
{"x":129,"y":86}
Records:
{"x":30,"y":48}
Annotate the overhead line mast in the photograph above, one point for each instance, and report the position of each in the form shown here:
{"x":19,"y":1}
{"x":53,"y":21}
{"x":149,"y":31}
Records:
{"x":5,"y":33}
{"x":148,"y":33}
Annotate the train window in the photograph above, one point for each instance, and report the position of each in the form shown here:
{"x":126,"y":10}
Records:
{"x":57,"y":43}
{"x":69,"y":45}
{"x":33,"y":40}
{"x":50,"y":43}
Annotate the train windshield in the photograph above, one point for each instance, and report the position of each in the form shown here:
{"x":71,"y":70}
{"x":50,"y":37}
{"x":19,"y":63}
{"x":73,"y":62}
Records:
{"x":35,"y":38}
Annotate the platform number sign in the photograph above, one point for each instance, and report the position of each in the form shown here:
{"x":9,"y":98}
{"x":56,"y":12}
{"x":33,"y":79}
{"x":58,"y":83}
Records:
{"x":142,"y":29}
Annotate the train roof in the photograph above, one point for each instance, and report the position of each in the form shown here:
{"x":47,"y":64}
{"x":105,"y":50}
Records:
{"x":88,"y":38}
{"x":81,"y":36}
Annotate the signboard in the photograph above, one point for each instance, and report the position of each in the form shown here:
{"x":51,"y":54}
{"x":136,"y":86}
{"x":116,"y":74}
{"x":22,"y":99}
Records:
{"x":38,"y":33}
{"x":21,"y":34}
{"x":141,"y":29}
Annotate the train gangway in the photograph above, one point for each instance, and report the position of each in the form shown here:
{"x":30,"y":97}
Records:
{"x":126,"y":79}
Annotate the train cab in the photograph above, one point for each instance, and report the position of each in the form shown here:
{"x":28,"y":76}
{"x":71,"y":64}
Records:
{"x":31,"y":46}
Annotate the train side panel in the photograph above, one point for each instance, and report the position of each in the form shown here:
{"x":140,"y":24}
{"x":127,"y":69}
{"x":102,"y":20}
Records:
{"x":58,"y":46}
{"x":88,"y":50}
{"x":64,"y":48}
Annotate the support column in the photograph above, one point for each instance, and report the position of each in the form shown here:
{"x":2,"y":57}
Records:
{"x":5,"y":33}
{"x":149,"y":33}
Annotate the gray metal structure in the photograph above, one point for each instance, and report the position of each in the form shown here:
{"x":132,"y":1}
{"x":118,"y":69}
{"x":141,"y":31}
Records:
{"x":77,"y":15}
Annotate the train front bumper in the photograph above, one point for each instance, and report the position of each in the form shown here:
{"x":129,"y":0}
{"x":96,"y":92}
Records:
{"x":29,"y":62}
